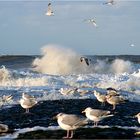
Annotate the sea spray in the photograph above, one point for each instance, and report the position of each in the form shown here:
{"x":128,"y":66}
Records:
{"x":4,"y":74}
{"x":57,"y":60}
{"x":120,"y":66}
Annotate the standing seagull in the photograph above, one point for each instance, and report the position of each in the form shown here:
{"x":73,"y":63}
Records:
{"x":6,"y":98}
{"x":3,"y":128}
{"x":85,"y":59}
{"x":96,"y":115}
{"x":114,"y":100}
{"x":49,"y":11}
{"x":100,"y":97}
{"x":70,"y":122}
{"x":66,"y":91}
{"x":109,"y":2}
{"x":92,"y":21}
{"x":27,"y":102}
{"x":138,"y":116}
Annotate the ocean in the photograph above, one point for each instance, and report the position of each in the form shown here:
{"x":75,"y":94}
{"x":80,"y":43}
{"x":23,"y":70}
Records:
{"x":44,"y":76}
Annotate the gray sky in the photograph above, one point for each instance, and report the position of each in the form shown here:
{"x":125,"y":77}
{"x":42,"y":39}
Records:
{"x":24,"y":28}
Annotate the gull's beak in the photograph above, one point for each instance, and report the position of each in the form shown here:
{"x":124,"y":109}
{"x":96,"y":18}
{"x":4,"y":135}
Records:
{"x":83,"y":111}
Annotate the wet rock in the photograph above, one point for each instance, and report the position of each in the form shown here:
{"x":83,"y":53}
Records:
{"x":42,"y":113}
{"x":87,"y":133}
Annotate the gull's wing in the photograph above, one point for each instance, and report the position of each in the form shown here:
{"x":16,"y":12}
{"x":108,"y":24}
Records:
{"x":30,"y":102}
{"x":99,"y":113}
{"x":72,"y":120}
{"x":87,"y":61}
{"x":94,"y":23}
{"x":49,"y":8}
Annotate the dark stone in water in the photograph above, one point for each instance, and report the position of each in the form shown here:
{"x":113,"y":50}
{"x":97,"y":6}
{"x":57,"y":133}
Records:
{"x":87,"y":133}
{"x":42,"y":113}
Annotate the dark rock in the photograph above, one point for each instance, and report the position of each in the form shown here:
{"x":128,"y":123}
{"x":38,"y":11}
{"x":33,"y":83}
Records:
{"x":42,"y":113}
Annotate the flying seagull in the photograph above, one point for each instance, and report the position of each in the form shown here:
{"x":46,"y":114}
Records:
{"x":91,"y":21}
{"x":109,"y":2}
{"x":132,"y":45}
{"x":85,"y":59}
{"x":49,"y":11}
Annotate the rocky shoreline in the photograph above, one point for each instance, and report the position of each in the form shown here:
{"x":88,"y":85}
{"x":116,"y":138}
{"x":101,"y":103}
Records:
{"x":42,"y":113}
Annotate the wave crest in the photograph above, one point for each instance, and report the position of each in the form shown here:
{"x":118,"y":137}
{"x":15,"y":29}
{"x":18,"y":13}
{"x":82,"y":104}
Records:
{"x":56,"y":60}
{"x":4,"y":74}
{"x":120,"y":66}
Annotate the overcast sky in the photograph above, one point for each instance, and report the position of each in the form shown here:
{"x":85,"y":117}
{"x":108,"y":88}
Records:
{"x":24,"y":27}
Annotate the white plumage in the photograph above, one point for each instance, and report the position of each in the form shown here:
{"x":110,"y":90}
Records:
{"x":49,"y":11}
{"x":100,"y":97}
{"x":70,"y":122}
{"x":27,"y":102}
{"x":96,"y":115}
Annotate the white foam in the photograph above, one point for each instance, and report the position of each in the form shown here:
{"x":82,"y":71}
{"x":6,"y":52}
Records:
{"x":46,"y":87}
{"x":57,"y":60}
{"x":120,"y":66}
{"x":4,"y":74}
{"x":25,"y":130}
{"x":53,"y":128}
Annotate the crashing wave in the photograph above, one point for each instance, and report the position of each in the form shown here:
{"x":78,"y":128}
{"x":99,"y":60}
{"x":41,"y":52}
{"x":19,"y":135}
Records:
{"x":61,"y":61}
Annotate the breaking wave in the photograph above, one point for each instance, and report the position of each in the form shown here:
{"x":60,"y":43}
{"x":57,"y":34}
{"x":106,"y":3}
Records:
{"x":61,"y":61}
{"x":57,"y":60}
{"x":4,"y":74}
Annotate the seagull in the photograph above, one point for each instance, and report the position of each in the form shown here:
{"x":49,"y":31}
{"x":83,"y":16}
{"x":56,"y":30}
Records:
{"x":85,"y":59}
{"x":66,"y":91}
{"x":70,"y":122}
{"x":111,"y":91}
{"x":27,"y":103}
{"x":96,"y":115}
{"x":109,"y":2}
{"x":100,"y":97}
{"x":114,"y":100}
{"x":82,"y":91}
{"x":132,"y":45}
{"x":6,"y":98}
{"x":3,"y":128}
{"x":49,"y":11}
{"x":27,"y":96}
{"x":92,"y":21}
{"x":138,"y":116}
